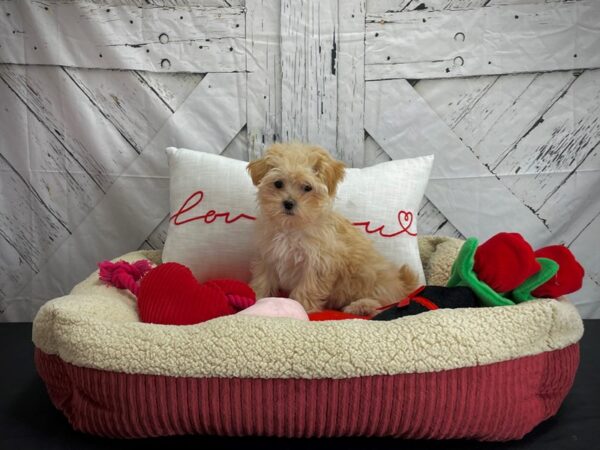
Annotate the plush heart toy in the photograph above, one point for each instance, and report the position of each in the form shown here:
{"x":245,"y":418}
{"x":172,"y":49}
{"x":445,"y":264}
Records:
{"x":170,"y":294}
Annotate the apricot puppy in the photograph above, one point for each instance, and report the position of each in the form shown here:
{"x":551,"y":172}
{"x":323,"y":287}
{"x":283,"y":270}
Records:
{"x":307,"y":249}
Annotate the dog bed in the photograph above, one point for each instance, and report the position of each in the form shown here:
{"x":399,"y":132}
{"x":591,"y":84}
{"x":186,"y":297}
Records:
{"x":481,"y":373}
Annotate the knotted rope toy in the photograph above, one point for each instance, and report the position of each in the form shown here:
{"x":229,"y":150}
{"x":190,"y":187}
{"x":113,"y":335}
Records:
{"x":169,"y":294}
{"x":124,"y":275}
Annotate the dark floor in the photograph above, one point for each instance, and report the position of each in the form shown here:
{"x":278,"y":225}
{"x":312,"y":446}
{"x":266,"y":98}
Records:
{"x":29,"y":421}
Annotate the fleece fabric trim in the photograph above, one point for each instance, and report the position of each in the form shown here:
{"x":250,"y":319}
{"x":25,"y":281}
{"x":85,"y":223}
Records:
{"x":98,"y":327}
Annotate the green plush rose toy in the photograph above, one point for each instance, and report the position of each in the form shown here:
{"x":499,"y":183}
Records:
{"x":505,"y":270}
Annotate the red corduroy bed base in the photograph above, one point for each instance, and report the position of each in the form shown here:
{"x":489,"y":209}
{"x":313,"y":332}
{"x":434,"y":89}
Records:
{"x":494,"y":402}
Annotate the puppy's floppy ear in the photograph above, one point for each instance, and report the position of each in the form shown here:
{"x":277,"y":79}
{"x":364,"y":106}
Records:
{"x":330,"y":170}
{"x":258,"y":169}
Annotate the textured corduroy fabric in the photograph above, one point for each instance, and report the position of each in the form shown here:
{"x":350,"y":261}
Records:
{"x":494,"y":402}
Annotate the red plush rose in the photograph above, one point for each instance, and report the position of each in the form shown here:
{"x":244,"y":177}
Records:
{"x":569,"y":277}
{"x":505,"y":261}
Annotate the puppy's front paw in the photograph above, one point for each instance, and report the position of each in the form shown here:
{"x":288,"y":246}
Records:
{"x":363,"y":307}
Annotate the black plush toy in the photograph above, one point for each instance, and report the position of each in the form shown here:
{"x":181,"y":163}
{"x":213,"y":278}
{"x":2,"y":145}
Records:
{"x":428,"y":298}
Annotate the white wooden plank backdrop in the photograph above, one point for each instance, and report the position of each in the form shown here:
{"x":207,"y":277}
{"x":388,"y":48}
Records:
{"x":506,"y":93}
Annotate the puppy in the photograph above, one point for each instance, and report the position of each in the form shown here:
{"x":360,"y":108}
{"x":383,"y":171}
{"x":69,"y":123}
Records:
{"x":307,"y":249}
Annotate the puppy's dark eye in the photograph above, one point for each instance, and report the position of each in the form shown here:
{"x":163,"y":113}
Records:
{"x":307,"y":188}
{"x":278,"y":184}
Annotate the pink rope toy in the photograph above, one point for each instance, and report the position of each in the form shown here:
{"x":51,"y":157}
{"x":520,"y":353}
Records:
{"x":239,"y":302}
{"x":125,"y":275}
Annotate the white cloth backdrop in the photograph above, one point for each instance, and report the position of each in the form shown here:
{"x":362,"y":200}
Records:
{"x":506,"y":93}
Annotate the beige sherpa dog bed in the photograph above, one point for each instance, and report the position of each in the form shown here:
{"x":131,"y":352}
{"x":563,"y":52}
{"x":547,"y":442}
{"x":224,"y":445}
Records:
{"x":483,"y":373}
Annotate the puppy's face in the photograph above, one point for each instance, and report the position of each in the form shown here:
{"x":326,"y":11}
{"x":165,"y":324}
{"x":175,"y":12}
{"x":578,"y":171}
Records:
{"x":296,"y":183}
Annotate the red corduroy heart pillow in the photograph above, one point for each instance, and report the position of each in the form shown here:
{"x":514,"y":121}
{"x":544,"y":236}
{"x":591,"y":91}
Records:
{"x":170,"y":295}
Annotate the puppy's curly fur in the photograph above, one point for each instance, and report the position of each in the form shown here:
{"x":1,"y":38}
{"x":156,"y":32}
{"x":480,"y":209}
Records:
{"x":309,"y":250}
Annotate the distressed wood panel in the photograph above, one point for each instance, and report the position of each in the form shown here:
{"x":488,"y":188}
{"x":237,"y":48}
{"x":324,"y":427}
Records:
{"x":41,"y":171}
{"x":374,"y":154}
{"x":130,"y":106}
{"x":264,"y":74}
{"x":483,"y":41}
{"x":171,"y":88}
{"x":432,"y":221}
{"x":491,"y":115}
{"x":160,"y":3}
{"x":567,"y":134}
{"x":585,"y":247}
{"x":35,"y":154}
{"x":309,"y":42}
{"x":511,"y":107}
{"x":453,"y":98}
{"x":494,"y":118}
{"x":386,"y":6}
{"x":68,"y":114}
{"x":36,"y":157}
{"x":171,"y":39}
{"x":582,"y":248}
{"x":238,"y":147}
{"x":209,"y":118}
{"x":351,"y":83}
{"x":403,"y":124}
{"x":25,"y":216}
{"x":158,"y":236}
{"x":33,"y":214}
{"x":575,"y":202}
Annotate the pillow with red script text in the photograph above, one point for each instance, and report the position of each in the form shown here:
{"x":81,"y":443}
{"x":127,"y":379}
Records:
{"x":213,"y":211}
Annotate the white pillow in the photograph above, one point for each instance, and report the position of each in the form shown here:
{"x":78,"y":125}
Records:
{"x":213,"y":206}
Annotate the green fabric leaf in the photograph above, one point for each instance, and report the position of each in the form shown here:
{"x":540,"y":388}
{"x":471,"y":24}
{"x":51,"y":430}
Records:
{"x":548,"y":270}
{"x":462,"y":274}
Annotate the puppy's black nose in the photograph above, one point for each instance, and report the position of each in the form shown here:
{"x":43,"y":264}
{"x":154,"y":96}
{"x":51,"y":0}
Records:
{"x":289,"y":204}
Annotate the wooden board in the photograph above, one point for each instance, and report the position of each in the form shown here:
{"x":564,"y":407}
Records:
{"x":460,"y":186}
{"x":68,"y":113}
{"x":568,"y":133}
{"x":510,"y":122}
{"x":322,"y":67}
{"x":309,"y":41}
{"x":171,"y":88}
{"x":386,"y":6}
{"x":263,"y":82}
{"x":585,"y":246}
{"x":350,"y":139}
{"x":483,"y":41}
{"x":169,"y":39}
